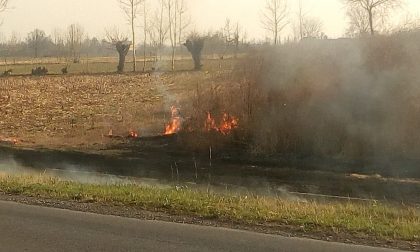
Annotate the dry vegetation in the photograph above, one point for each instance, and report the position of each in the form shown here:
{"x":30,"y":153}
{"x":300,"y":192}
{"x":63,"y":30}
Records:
{"x":351,"y":99}
{"x":347,"y":99}
{"x":355,"y":219}
{"x":79,"y":110}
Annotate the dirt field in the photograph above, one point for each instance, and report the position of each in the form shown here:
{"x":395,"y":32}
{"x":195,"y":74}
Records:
{"x":106,"y":65}
{"x":77,"y":111}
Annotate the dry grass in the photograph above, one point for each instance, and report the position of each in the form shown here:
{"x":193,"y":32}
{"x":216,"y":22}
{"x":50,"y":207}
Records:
{"x":107,"y":65}
{"x":79,"y":110}
{"x":401,"y":223}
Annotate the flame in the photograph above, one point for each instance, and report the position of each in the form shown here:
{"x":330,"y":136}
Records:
{"x":133,"y":134}
{"x":210,"y":123}
{"x":175,"y":125}
{"x":13,"y":141}
{"x":228,"y":124}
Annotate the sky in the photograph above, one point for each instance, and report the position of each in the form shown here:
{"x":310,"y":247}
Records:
{"x":97,"y":15}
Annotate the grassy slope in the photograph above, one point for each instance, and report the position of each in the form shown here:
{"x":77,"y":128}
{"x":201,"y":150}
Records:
{"x":402,"y":223}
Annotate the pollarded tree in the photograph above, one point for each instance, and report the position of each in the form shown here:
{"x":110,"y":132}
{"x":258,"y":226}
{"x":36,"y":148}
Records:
{"x":274,"y":17}
{"x":195,"y":45}
{"x":372,"y":8}
{"x":122,"y":45}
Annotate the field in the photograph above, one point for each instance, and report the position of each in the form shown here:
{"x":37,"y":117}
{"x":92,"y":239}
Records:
{"x":281,"y":120}
{"x":79,"y":110}
{"x":96,"y":65}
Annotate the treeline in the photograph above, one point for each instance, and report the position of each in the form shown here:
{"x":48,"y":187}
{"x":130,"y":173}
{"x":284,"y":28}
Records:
{"x":75,"y":44}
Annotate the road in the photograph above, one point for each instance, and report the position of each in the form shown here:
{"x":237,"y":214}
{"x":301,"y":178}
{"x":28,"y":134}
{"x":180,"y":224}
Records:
{"x":33,"y":228}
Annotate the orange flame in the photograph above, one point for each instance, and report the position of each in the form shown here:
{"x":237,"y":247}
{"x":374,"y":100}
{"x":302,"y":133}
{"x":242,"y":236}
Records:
{"x":13,"y":141}
{"x":175,"y":125}
{"x":210,"y":123}
{"x":228,"y":124}
{"x":133,"y":134}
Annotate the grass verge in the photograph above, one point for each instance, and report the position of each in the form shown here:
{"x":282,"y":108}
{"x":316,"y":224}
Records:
{"x":382,"y":221}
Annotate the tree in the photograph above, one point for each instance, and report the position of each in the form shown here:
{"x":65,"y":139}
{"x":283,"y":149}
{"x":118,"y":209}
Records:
{"x":145,"y":29}
{"x":184,"y":19}
{"x":172,"y":6}
{"x":74,"y":40}
{"x":195,"y":45}
{"x":122,"y":45}
{"x":58,"y":40}
{"x":35,"y":40}
{"x":3,"y":5}
{"x":306,"y":26}
{"x":301,"y":17}
{"x":358,"y":22}
{"x":274,"y":17}
{"x":372,"y":8}
{"x":312,"y":27}
{"x":131,"y":9}
{"x":232,"y":35}
{"x":158,"y":28}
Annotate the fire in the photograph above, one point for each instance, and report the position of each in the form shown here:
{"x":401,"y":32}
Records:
{"x":228,"y":124}
{"x":13,"y":141}
{"x":175,"y":125}
{"x":210,"y":123}
{"x":133,"y":134}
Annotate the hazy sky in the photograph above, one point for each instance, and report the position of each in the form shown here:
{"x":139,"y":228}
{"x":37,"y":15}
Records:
{"x":96,"y":15}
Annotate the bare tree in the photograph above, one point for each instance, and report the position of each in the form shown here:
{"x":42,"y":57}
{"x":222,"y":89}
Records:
{"x":145,"y":29}
{"x":312,"y":27}
{"x":74,"y":39}
{"x":3,"y":5}
{"x":58,"y":40}
{"x":13,"y":43}
{"x":122,"y":45}
{"x":158,"y":28}
{"x":35,"y":40}
{"x":358,"y":22}
{"x":172,"y":6}
{"x":408,"y":23}
{"x":131,"y":9}
{"x":372,"y":8}
{"x":184,"y":19}
{"x":232,"y":35}
{"x":274,"y":17}
{"x":195,"y":45}
{"x":227,"y":30}
{"x":301,"y":17}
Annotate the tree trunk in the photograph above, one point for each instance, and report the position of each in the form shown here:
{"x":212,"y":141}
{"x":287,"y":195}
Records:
{"x":275,"y":37}
{"x":145,"y":36}
{"x":121,"y":62}
{"x":372,"y":30}
{"x":122,"y":49}
{"x":197,"y":62}
{"x":134,"y":37}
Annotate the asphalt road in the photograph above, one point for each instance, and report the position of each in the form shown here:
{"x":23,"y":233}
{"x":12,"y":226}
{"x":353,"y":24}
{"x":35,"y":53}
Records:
{"x":31,"y":228}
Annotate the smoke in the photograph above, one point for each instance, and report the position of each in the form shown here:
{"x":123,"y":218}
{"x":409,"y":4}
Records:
{"x":348,"y":99}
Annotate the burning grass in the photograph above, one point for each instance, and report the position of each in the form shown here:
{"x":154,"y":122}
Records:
{"x":84,"y":111}
{"x":370,"y":219}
